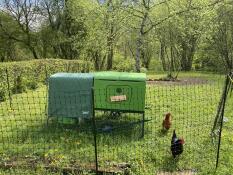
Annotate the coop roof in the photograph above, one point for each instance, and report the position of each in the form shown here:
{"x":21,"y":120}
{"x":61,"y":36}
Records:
{"x":123,"y":76}
{"x":72,"y":75}
{"x":71,"y":81}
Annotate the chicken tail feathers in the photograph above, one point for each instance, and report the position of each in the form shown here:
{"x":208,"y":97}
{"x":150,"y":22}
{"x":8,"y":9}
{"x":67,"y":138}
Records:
{"x":174,"y":137}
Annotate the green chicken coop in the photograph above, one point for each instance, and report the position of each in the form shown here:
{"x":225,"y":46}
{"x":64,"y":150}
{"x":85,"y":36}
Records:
{"x":70,"y":96}
{"x":120,"y":91}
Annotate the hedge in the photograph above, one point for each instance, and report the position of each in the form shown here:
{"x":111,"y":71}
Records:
{"x":25,"y":75}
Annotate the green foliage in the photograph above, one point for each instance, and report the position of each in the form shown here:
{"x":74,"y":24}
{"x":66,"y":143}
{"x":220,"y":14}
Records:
{"x":2,"y":95}
{"x":29,"y":74}
{"x":123,"y":65}
{"x":182,"y":34}
{"x":32,"y":85}
{"x":143,"y":70}
{"x":18,"y":86}
{"x":155,"y":65}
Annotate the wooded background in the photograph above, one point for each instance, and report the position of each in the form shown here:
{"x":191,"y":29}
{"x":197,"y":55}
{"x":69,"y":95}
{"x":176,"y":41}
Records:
{"x":124,"y":35}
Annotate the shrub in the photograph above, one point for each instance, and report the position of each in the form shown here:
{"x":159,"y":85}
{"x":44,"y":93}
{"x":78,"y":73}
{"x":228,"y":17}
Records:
{"x":155,"y":65}
{"x":24,"y":75}
{"x":123,"y":65}
{"x":32,"y":85}
{"x":143,"y":70}
{"x":18,"y":87}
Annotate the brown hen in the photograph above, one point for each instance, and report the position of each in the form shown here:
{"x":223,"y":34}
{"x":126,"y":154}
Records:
{"x":167,"y":122}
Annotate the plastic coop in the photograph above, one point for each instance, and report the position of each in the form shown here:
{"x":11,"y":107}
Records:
{"x":120,"y":91}
{"x":70,"y":96}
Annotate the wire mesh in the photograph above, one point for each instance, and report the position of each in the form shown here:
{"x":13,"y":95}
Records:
{"x":31,"y":140}
{"x":128,"y":140}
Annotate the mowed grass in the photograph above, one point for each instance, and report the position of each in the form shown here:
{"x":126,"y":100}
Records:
{"x":27,"y":139}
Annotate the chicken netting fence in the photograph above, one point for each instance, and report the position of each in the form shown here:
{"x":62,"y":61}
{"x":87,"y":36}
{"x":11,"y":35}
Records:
{"x":113,"y":141}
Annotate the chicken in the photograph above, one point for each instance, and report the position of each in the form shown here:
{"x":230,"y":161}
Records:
{"x":176,"y":145}
{"x":167,"y":122}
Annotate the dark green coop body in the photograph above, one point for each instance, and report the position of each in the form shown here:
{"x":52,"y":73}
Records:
{"x":120,"y":91}
{"x":70,"y":95}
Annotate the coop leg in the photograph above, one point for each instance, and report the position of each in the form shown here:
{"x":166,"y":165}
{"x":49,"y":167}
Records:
{"x":143,"y":124}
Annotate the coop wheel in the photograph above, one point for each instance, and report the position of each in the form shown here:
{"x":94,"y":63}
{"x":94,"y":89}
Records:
{"x":115,"y":114}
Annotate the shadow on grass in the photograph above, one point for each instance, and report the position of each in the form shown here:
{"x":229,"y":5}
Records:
{"x":125,"y":129}
{"x":55,"y":142}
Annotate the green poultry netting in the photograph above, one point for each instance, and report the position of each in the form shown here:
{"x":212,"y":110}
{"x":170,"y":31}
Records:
{"x":111,"y":142}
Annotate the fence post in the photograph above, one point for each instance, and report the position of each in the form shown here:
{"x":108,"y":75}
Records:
{"x":94,"y":132}
{"x":46,"y":103}
{"x":8,"y":88}
{"x":222,"y":116}
{"x":46,"y":75}
{"x":68,"y":66}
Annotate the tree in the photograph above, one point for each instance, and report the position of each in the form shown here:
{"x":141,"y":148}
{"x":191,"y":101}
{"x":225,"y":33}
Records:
{"x":25,"y":14}
{"x":7,"y":46}
{"x":183,"y":32}
{"x":223,"y":35}
{"x":95,"y":45}
{"x":66,"y":30}
{"x":148,"y":17}
{"x":190,"y":30}
{"x":169,"y":48}
{"x":140,"y":11}
{"x":113,"y":20}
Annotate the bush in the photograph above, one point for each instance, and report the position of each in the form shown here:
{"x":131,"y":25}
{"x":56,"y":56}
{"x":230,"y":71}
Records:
{"x":123,"y":65}
{"x":155,"y":65}
{"x":18,"y":87}
{"x":32,"y":85}
{"x":143,"y":70}
{"x":24,"y":75}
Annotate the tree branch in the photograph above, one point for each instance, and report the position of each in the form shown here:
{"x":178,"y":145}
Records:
{"x":179,"y":13}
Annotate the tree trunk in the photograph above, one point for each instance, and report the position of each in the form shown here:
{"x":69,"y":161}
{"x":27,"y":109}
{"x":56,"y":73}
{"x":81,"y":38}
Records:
{"x":187,"y":58}
{"x":32,"y":49}
{"x":162,"y":55}
{"x":110,"y":48}
{"x":2,"y":58}
{"x":110,"y":58}
{"x":44,"y":50}
{"x":138,"y":53}
{"x":96,"y":60}
{"x":140,"y":43}
{"x":172,"y":59}
{"x":103,"y":62}
{"x":125,"y":51}
{"x":147,"y":62}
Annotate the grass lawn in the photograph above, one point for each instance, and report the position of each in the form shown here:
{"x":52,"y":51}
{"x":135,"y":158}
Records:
{"x":27,"y":139}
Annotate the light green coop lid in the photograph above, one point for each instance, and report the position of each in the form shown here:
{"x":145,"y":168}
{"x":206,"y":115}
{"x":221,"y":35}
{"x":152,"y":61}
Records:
{"x":122,"y":76}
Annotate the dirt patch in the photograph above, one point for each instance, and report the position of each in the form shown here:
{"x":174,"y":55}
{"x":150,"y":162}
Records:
{"x":31,"y":163}
{"x":185,"y":172}
{"x":181,"y":81}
